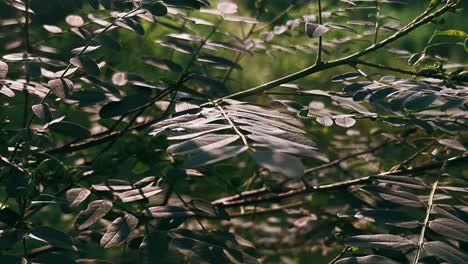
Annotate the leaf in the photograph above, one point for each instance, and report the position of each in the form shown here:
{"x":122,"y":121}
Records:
{"x":53,"y":237}
{"x":315,"y":30}
{"x":346,"y":77}
{"x":127,"y":104}
{"x":408,"y":182}
{"x":69,"y":129}
{"x":131,"y":24}
{"x":453,"y":144}
{"x":87,"y":64}
{"x":196,"y":4}
{"x":419,"y":101}
{"x":62,"y":88}
{"x":138,"y":194}
{"x":345,"y":121}
{"x":242,"y":19}
{"x":52,"y":258}
{"x":113,"y":185}
{"x":3,"y":70}
{"x":74,"y":20}
{"x":227,"y":7}
{"x":371,"y":259}
{"x":43,"y":112}
{"x":383,"y":241}
{"x":155,"y":8}
{"x":202,"y":144}
{"x":450,"y":228}
{"x":119,"y":231}
{"x":398,"y":197}
{"x":162,"y":64}
{"x":324,"y":121}
{"x":445,"y":252}
{"x":154,"y":247}
{"x":395,"y":218}
{"x":451,"y":212}
{"x":219,"y":62}
{"x":280,"y":163}
{"x":52,"y":29}
{"x":7,"y":259}
{"x":169,"y":212}
{"x":213,"y":156}
{"x":76,"y":196}
{"x":95,"y":211}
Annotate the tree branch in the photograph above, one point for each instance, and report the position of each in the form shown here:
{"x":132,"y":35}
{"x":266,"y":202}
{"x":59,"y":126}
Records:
{"x":417,"y":22}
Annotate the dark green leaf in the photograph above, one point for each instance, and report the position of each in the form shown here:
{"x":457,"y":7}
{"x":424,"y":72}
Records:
{"x":371,"y":259}
{"x":53,"y":237}
{"x":69,"y":129}
{"x":154,"y":248}
{"x":155,"y":8}
{"x":395,"y":218}
{"x":87,"y":64}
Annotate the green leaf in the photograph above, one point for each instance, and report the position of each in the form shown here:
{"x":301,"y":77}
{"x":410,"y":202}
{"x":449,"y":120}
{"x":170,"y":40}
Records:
{"x":87,"y":64}
{"x":119,"y":231}
{"x":12,"y":260}
{"x":131,"y":24}
{"x":52,"y":258}
{"x":154,"y":248}
{"x":451,"y":33}
{"x":450,"y":228}
{"x":419,"y":101}
{"x":155,"y":8}
{"x":448,"y":253}
{"x":62,"y":88}
{"x":280,"y":163}
{"x":95,"y":211}
{"x":213,"y":156}
{"x":53,"y":237}
{"x":371,"y":259}
{"x":69,"y":129}
{"x":382,"y":241}
{"x":163,"y":64}
{"x":127,"y":104}
{"x":315,"y":30}
{"x":76,"y":196}
{"x":466,"y":45}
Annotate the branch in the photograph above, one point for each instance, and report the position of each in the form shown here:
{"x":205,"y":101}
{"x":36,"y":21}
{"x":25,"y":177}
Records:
{"x":417,"y":22}
{"x":264,"y":190}
{"x":333,"y":186}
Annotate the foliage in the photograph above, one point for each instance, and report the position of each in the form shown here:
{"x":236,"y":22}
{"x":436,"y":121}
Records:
{"x":127,"y":132}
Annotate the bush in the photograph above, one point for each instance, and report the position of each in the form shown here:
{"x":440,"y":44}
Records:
{"x":128,"y":132}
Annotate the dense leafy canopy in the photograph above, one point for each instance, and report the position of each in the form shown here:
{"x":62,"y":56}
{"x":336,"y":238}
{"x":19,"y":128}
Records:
{"x":129,"y":130}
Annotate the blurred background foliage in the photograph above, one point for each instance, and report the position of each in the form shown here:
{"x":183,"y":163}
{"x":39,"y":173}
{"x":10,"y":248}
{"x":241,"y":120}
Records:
{"x":136,"y":155}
